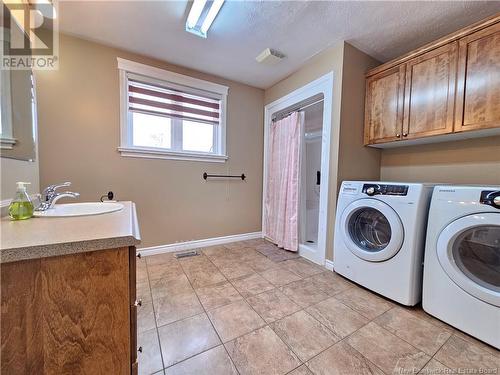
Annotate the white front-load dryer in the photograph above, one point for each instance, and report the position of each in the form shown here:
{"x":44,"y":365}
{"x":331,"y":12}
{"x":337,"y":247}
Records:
{"x":462,"y":260}
{"x":379,"y":237}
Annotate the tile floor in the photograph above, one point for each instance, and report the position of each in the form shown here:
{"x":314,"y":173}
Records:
{"x":250,"y":308}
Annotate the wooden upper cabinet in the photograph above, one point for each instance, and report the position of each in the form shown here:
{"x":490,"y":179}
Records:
{"x":442,"y":89}
{"x":478,"y":83}
{"x":384,"y":106}
{"x":429,"y":101}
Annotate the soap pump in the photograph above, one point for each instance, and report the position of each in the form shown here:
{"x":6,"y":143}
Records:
{"x":21,"y":207}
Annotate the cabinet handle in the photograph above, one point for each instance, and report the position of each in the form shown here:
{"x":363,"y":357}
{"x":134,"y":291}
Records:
{"x":139,"y":255}
{"x":405,"y":134}
{"x":398,"y":135}
{"x":140,"y":349}
{"x":138,"y":303}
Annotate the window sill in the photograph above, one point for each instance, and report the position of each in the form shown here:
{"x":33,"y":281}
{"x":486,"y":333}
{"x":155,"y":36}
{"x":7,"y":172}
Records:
{"x":7,"y":143}
{"x":152,"y":153}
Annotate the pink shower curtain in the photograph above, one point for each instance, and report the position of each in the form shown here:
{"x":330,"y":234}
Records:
{"x":282,"y":194}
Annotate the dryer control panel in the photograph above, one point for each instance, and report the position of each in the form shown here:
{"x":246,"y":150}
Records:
{"x":383,"y":189}
{"x":491,"y":198}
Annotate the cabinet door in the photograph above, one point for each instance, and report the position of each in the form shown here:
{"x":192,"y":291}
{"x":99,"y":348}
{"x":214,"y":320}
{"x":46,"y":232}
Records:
{"x":384,"y":106}
{"x":132,"y":254}
{"x":478,"y":82}
{"x":66,"y":314}
{"x":430,"y":93}
{"x":86,"y":312}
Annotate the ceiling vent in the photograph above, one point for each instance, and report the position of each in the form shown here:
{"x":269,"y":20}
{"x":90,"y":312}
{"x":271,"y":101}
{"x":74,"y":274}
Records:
{"x":269,"y":57}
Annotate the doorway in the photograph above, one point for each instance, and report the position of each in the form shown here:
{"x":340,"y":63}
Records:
{"x":315,"y":100}
{"x":311,"y":175}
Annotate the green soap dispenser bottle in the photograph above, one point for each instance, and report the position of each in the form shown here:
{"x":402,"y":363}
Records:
{"x":21,"y":207}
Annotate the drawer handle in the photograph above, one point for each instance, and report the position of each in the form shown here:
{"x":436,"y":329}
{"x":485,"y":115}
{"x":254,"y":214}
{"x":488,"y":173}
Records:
{"x":140,"y":349}
{"x":138,"y":303}
{"x":139,"y":255}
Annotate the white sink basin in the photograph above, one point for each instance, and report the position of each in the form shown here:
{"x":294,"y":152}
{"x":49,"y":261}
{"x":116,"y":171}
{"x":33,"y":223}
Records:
{"x":79,"y":209}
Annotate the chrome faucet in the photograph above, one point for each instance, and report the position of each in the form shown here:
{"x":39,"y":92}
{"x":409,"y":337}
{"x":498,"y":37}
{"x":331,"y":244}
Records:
{"x":49,"y":196}
{"x":51,"y":189}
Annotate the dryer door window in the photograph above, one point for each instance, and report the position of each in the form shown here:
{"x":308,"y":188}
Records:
{"x":476,"y":252}
{"x":371,"y":230}
{"x":468,"y":249}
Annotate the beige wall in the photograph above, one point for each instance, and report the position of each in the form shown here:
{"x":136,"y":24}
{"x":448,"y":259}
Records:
{"x":472,"y":161}
{"x":78,"y":108}
{"x":356,"y":162}
{"x":348,"y":158}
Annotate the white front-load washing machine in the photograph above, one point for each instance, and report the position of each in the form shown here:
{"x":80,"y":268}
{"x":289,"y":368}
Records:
{"x":380,"y":235}
{"x":462,"y":260}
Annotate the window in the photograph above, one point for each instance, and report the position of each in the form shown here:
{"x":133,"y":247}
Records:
{"x":170,"y":116}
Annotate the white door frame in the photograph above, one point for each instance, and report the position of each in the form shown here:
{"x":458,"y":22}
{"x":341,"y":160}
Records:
{"x":322,"y":85}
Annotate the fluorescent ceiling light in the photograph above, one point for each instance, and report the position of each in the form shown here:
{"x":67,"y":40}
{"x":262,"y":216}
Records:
{"x":195,"y":13}
{"x":212,"y":13}
{"x":202,"y":15}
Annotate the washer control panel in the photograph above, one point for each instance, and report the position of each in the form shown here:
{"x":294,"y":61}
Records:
{"x":491,"y":198}
{"x":383,"y":189}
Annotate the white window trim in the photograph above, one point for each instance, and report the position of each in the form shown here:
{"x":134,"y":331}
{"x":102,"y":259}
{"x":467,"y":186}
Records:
{"x":127,"y":149}
{"x":7,"y":140}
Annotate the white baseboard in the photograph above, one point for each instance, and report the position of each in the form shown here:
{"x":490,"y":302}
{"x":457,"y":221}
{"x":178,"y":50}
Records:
{"x":189,"y":245}
{"x":329,"y":265}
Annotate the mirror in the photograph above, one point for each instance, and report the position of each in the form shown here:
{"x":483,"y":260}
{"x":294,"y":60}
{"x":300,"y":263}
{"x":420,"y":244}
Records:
{"x":17,"y":120}
{"x":17,"y":106}
{"x":18,"y":133}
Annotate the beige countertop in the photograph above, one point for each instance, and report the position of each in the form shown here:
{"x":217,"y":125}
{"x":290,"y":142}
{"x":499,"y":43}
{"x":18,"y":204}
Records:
{"x":45,"y":237}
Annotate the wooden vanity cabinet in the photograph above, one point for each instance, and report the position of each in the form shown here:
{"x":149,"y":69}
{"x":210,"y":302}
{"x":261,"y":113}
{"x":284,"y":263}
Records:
{"x":447,"y":87}
{"x":478,"y":88}
{"x":134,"y":303}
{"x":70,"y":314}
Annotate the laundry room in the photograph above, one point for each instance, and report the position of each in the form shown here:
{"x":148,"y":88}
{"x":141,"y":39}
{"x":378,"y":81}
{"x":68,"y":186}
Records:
{"x":217,"y":187}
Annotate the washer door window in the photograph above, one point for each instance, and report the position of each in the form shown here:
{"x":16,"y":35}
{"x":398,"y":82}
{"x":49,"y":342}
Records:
{"x":469,"y":252}
{"x":372,"y":230}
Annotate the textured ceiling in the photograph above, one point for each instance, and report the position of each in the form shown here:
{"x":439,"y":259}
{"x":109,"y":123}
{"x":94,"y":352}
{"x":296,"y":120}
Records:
{"x":299,"y":29}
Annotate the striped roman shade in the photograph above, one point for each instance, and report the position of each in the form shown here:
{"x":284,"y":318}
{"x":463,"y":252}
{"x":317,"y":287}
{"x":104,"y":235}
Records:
{"x":144,"y":97}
